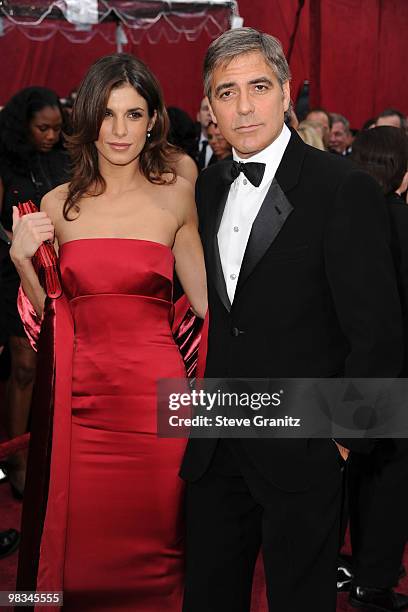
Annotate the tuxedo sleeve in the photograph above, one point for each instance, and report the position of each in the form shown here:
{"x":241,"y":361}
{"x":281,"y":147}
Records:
{"x":361,"y":275}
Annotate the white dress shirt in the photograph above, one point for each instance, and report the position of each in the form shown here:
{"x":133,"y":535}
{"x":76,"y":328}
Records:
{"x":242,"y":206}
{"x":208,"y":151}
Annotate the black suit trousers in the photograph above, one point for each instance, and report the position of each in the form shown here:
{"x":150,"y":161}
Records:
{"x":378,"y":506}
{"x":233,"y":513}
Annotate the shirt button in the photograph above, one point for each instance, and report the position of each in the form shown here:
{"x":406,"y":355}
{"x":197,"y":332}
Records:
{"x":245,"y":182}
{"x":236,"y":228}
{"x":233,"y":276}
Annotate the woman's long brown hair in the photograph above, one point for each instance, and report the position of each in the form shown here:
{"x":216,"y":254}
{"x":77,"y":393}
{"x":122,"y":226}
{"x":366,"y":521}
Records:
{"x":157,"y":155}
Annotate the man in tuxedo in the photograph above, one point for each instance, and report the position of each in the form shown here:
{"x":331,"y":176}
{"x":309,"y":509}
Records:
{"x":301,"y":284}
{"x":204,"y":150}
{"x":341,"y":138}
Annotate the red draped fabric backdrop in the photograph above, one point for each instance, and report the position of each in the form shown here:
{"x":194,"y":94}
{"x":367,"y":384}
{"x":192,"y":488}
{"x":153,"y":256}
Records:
{"x":352,"y":51}
{"x":358,"y":56}
{"x":60,"y":64}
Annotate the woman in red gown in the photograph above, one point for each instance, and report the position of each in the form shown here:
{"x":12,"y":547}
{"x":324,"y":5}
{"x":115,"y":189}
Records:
{"x":112,"y":534}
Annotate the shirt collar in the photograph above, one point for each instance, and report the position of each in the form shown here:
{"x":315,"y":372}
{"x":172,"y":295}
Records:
{"x":271,"y":156}
{"x":203,"y":137}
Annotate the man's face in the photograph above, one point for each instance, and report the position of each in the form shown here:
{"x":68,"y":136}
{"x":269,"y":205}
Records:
{"x":323,"y":121}
{"x":219,"y":145}
{"x":248,"y":103}
{"x":204,"y":115}
{"x":340,"y":138}
{"x":392,"y":121}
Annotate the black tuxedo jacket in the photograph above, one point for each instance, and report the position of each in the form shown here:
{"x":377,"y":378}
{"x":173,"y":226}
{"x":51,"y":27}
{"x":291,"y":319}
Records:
{"x":316,"y":295}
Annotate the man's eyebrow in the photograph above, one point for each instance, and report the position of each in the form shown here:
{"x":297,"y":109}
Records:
{"x":262,"y":79}
{"x":222,"y":86}
{"x":256,"y":81}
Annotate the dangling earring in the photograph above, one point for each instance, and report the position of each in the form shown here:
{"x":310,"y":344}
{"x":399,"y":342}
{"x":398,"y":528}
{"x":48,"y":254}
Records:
{"x":149,"y":134}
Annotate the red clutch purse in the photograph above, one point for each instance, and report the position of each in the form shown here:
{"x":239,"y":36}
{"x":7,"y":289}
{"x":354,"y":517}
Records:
{"x":45,"y":260}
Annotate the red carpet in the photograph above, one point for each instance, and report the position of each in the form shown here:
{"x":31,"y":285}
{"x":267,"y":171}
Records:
{"x":10,"y":517}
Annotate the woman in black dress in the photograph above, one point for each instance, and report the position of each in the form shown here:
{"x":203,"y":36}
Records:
{"x":32,"y":162}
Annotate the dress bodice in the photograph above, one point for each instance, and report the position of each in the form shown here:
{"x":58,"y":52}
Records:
{"x":103,"y":266}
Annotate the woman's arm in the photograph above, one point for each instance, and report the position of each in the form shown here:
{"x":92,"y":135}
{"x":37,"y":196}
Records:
{"x":189,"y":256}
{"x":29,"y":232}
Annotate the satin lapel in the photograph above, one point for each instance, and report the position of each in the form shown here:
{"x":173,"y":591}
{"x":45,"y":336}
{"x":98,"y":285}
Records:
{"x":275,"y":209}
{"x":216,"y":273}
{"x":271,"y":217}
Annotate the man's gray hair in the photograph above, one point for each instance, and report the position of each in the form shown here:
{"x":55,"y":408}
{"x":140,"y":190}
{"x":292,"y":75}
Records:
{"x":238,"y":42}
{"x":336,"y":118}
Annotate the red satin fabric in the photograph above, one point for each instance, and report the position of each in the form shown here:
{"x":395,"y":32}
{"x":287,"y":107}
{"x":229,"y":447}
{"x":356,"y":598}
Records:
{"x":45,"y":260}
{"x":112,"y":536}
{"x":31,"y":320}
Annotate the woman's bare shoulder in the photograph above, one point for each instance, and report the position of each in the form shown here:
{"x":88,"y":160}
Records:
{"x":179,"y":187}
{"x":186,"y":168}
{"x":180,"y":193}
{"x":53,"y":201}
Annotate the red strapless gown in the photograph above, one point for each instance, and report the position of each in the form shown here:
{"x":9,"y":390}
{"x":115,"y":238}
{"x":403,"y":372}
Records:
{"x":113,"y":531}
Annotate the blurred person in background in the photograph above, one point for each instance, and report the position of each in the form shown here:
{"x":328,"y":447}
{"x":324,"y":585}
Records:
{"x":310,"y":132}
{"x":393,"y":118}
{"x":377,"y":483}
{"x":321,"y":117}
{"x":32,"y":162}
{"x":182,"y":135}
{"x":221,"y":148}
{"x":369,"y":124}
{"x":341,"y":138}
{"x":204,"y":152}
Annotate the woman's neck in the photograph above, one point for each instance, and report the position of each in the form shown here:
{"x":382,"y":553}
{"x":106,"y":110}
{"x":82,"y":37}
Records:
{"x":120,"y":178}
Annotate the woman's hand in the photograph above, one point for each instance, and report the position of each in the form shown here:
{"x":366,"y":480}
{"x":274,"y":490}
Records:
{"x":29,"y":232}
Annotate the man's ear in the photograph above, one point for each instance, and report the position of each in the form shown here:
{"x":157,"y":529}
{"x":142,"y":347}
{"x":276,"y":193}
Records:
{"x":213,"y":117}
{"x":286,"y":95}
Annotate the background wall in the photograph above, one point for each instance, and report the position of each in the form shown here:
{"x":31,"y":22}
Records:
{"x":353,"y":52}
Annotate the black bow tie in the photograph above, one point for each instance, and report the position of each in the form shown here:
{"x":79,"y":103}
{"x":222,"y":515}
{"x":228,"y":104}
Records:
{"x":253,"y":171}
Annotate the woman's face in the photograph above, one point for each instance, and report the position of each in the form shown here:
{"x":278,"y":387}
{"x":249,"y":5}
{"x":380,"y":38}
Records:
{"x":45,"y":128}
{"x":124,"y":128}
